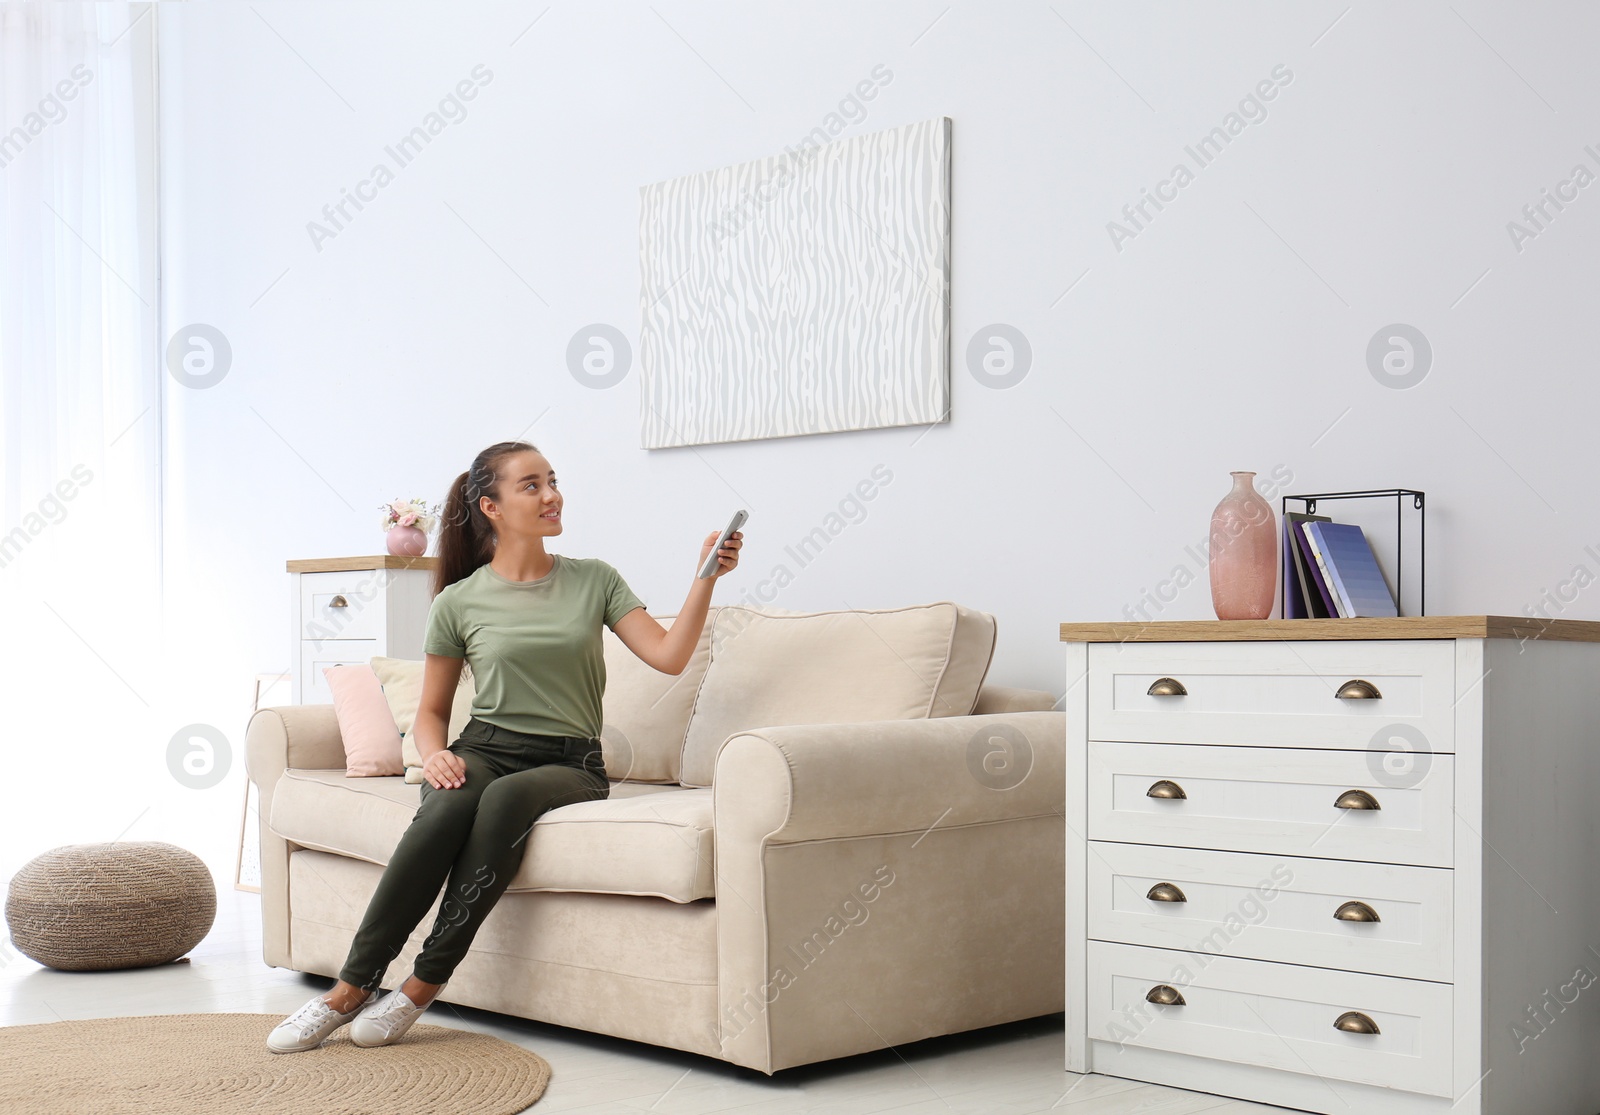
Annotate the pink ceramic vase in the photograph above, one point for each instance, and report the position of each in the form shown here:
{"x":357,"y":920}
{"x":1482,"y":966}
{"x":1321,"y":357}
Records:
{"x":1244,"y":553}
{"x":406,"y":541}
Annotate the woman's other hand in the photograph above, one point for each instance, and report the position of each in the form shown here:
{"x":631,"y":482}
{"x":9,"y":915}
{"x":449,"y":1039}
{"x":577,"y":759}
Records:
{"x":444,"y":769}
{"x":727,"y":557}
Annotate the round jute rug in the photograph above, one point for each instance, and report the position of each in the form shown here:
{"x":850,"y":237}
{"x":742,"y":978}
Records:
{"x":219,"y":1064}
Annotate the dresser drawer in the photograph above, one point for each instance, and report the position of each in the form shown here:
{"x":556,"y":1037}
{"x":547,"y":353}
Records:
{"x":1274,"y":908}
{"x":1277,"y":693}
{"x":345,"y":604}
{"x":1278,"y":1016}
{"x":1279,"y":801}
{"x":317,"y":656}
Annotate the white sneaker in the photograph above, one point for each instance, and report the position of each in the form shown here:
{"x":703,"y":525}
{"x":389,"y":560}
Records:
{"x":388,"y":1019}
{"x":307,"y":1027}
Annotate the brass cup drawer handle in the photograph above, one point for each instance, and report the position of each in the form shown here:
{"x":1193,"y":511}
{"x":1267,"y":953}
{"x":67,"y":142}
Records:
{"x":1353,"y":1022}
{"x":1356,"y":799}
{"x":1358,"y":690}
{"x":1165,"y":994}
{"x":1165,"y":789}
{"x":1166,"y":687}
{"x":339,"y":602}
{"x":1166,"y":892}
{"x":1356,"y":911}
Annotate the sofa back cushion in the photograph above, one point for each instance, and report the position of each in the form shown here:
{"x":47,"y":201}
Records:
{"x":646,"y":712}
{"x":771,"y":667}
{"x":401,"y":679}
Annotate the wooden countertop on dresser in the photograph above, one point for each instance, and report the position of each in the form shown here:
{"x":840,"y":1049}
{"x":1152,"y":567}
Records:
{"x":346,"y":564}
{"x":1402,"y":627}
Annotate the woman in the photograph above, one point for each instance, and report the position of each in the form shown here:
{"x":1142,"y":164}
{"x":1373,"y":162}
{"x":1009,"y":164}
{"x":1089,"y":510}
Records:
{"x":528,"y":624}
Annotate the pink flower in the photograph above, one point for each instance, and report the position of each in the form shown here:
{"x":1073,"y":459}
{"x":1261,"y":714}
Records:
{"x":408,"y":518}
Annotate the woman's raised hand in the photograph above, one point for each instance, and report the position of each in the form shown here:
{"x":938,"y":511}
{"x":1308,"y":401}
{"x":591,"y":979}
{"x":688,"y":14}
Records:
{"x":444,"y":769}
{"x":727,"y":557}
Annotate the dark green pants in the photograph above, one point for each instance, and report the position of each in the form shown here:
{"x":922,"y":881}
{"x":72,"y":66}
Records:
{"x":476,"y":834}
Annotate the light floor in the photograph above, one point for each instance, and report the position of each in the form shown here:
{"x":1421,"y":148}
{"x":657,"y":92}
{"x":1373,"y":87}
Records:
{"x":1004,"y":1070}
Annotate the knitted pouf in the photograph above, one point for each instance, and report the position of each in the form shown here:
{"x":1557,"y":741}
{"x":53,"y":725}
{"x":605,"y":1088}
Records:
{"x":126,"y":904}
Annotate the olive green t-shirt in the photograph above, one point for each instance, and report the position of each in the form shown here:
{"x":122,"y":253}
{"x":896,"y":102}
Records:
{"x":534,"y":646}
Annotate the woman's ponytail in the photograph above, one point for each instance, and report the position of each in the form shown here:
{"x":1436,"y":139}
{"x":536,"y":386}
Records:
{"x":466,"y":536}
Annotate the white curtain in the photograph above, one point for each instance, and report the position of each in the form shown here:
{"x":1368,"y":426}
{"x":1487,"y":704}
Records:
{"x":80,"y":404}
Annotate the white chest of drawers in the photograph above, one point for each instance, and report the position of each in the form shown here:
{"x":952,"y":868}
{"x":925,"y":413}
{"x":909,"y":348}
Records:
{"x":348,"y":609}
{"x":1338,"y":865}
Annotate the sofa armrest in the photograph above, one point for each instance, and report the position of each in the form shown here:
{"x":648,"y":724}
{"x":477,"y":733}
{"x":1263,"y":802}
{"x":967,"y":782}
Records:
{"x":882,"y":882}
{"x":820,"y":781}
{"x":305,"y":737}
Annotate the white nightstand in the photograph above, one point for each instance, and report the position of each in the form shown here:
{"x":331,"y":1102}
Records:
{"x":1338,"y":865}
{"x":348,"y":609}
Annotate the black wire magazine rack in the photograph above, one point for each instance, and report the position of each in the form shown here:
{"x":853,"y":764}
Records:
{"x":1418,"y":502}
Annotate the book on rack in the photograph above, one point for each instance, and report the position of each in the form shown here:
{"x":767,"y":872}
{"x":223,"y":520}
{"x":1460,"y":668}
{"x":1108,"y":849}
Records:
{"x":1321,"y":566}
{"x":1303,"y":596}
{"x":1314,"y":574}
{"x":1347,"y":562}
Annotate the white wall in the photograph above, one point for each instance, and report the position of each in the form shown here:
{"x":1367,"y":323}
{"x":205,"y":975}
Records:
{"x":1229,"y":333}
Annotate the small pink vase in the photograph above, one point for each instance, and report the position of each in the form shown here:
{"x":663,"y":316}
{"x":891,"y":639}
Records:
{"x":1244,"y":553}
{"x":406,"y":541}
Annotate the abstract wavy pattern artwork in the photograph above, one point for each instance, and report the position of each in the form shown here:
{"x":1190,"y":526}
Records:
{"x":801,"y":293}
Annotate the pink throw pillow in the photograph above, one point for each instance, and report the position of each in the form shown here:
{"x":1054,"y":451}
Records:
{"x":367,"y":727}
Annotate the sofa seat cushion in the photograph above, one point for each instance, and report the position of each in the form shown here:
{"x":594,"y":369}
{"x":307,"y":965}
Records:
{"x":643,"y":839}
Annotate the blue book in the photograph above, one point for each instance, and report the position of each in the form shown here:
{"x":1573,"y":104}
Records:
{"x":1314,"y":575}
{"x":1294,"y":596}
{"x":1352,"y":568}
{"x":1300,"y":590}
{"x":1314,"y":564}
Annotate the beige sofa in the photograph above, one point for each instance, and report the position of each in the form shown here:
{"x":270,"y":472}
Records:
{"x":825,"y":836}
